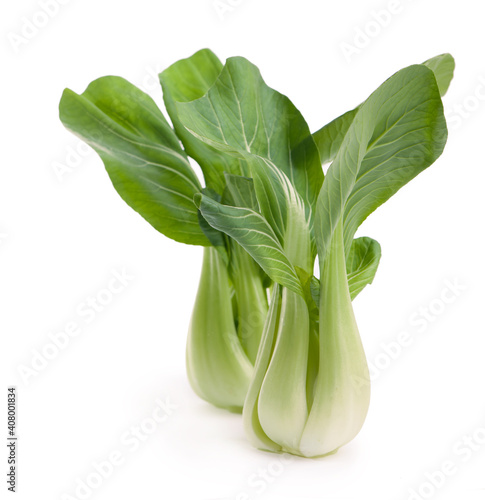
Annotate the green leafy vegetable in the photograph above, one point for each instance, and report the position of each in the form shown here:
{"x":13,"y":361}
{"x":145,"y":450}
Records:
{"x":264,"y":216}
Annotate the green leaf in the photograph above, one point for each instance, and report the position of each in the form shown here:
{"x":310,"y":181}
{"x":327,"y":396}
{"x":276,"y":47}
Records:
{"x":329,"y":138}
{"x":140,"y":152}
{"x":315,"y":290}
{"x":308,"y":282}
{"x":240,"y":192}
{"x":190,"y":79}
{"x":275,"y":195}
{"x":216,"y":238}
{"x":242,"y":116}
{"x":397,"y":133}
{"x":255,"y":235}
{"x":362,"y":263}
{"x":443,"y":67}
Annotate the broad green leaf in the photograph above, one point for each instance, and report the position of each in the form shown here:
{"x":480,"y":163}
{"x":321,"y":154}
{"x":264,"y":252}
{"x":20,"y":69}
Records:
{"x":275,"y":192}
{"x":397,"y":133}
{"x":330,"y":137}
{"x":255,"y":235}
{"x":140,"y":152}
{"x":362,"y":262}
{"x":242,"y":116}
{"x":190,"y":79}
{"x":216,"y":238}
{"x":285,"y":211}
{"x":240,"y":192}
{"x":443,"y":67}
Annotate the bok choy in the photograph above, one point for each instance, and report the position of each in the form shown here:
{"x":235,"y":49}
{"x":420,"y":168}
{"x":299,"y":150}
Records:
{"x":267,"y":217}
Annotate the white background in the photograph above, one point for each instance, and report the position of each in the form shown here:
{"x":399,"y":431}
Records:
{"x":61,"y":239}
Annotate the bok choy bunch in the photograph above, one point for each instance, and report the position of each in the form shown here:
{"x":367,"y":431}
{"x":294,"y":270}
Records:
{"x":310,"y":391}
{"x":265,"y":217}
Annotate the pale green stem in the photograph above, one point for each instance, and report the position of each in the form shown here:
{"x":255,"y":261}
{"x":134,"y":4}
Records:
{"x":251,"y":421}
{"x":342,"y":388}
{"x":218,"y":368}
{"x":251,"y":299}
